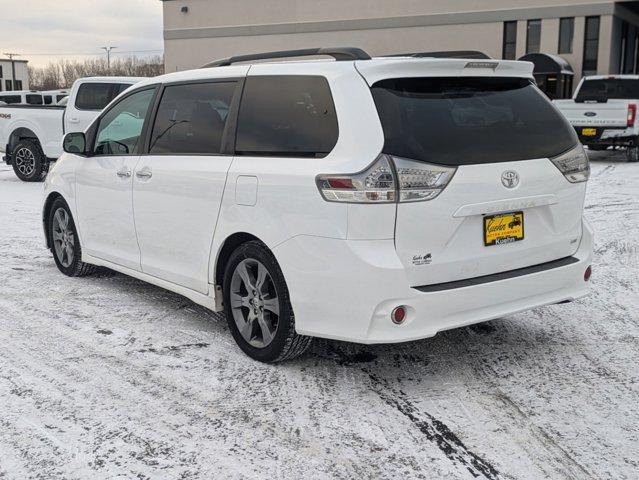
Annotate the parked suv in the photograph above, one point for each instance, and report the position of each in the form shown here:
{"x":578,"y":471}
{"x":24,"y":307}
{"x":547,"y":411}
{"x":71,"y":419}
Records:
{"x":368,"y":200}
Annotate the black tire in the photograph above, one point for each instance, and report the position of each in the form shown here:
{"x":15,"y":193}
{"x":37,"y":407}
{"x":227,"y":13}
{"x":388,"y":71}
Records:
{"x":72,"y":265}
{"x":286,"y":343}
{"x":632,"y":152}
{"x":597,"y":148}
{"x":29,"y":162}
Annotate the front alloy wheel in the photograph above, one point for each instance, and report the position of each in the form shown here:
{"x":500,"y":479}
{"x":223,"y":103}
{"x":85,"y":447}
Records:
{"x":64,"y":241}
{"x":29,"y":162}
{"x":63,"y":238}
{"x":25,"y":162}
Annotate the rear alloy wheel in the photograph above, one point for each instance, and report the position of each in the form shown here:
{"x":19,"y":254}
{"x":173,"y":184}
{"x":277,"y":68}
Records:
{"x":257,"y":306}
{"x":65,"y":243}
{"x":29,"y":162}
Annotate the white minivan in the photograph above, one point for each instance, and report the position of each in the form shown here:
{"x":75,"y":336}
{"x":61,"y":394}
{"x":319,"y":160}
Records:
{"x":372,"y":200}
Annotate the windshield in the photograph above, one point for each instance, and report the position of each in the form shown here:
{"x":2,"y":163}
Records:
{"x":609,"y":88}
{"x":469,"y":120}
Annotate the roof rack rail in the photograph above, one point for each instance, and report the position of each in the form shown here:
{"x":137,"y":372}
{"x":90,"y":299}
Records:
{"x":474,"y":54}
{"x":338,"y":53}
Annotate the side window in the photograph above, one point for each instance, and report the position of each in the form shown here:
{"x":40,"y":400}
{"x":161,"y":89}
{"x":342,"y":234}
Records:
{"x":120,"y":128}
{"x":96,"y":96}
{"x":34,"y":99}
{"x":48,"y":99}
{"x":191,"y":118}
{"x":286,"y":115}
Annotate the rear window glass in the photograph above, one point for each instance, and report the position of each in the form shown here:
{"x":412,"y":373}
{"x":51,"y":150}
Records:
{"x":463,"y":121}
{"x":96,"y":96}
{"x":191,"y":118}
{"x":288,"y":115}
{"x":8,"y":99}
{"x":613,"y":88}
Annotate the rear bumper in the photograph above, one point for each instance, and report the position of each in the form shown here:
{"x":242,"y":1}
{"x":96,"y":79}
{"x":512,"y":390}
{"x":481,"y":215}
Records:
{"x":607,"y":135}
{"x":346,"y":290}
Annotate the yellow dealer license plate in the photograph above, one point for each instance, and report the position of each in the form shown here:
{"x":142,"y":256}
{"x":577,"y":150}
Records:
{"x":503,"y":228}
{"x":589,"y":132}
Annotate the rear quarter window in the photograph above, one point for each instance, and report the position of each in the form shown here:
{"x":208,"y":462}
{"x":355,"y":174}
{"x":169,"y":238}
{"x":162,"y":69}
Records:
{"x":469,"y":120}
{"x":287,"y":115}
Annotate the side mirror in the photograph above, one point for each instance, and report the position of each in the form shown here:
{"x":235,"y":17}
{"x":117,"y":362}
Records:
{"x":75,"y":142}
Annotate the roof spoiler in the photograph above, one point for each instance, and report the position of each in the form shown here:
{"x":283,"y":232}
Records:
{"x":338,"y":53}
{"x":474,"y":54}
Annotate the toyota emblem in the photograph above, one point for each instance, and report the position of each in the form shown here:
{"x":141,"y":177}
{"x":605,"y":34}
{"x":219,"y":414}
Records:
{"x":510,"y":179}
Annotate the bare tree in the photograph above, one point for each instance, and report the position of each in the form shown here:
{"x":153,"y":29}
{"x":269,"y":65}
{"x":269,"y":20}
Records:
{"x":63,"y":73}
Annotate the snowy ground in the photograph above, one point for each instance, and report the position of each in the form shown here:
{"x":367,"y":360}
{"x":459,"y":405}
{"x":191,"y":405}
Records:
{"x":108,"y":377}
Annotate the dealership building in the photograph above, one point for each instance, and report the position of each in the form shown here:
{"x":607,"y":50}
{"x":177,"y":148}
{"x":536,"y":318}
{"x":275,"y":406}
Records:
{"x":574,"y":37}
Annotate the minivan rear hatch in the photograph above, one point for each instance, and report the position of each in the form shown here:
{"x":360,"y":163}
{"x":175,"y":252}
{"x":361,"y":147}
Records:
{"x":507,"y":205}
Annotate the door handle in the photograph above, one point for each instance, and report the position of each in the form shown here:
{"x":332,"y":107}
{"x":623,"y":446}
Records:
{"x":123,"y":173}
{"x":144,"y":173}
{"x":74,"y":120}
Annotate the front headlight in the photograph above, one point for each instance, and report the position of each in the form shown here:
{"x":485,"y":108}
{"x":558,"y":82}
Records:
{"x":573,"y":164}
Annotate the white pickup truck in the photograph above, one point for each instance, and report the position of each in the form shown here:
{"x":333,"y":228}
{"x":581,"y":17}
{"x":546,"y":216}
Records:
{"x":31,"y":135}
{"x":603,"y":111}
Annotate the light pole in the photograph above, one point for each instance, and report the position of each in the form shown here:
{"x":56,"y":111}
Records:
{"x":13,"y":69}
{"x":108,"y":52}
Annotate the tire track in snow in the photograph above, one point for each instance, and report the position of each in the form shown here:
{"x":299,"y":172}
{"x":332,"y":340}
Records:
{"x":433,"y":429}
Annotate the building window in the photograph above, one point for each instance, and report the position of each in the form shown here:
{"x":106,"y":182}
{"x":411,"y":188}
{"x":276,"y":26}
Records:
{"x":591,"y":46}
{"x":566,"y":31}
{"x":18,"y":84}
{"x":0,"y":71}
{"x":509,"y":47}
{"x":533,"y":36}
{"x":627,"y":52}
{"x":7,"y":84}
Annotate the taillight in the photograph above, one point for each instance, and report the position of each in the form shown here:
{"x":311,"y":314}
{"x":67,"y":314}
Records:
{"x":632,"y":115}
{"x":388,"y":175}
{"x":573,"y":164}
{"x":421,"y":181}
{"x":376,"y":184}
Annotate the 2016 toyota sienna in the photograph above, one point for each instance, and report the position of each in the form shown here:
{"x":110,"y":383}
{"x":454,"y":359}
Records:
{"x":369,"y":200}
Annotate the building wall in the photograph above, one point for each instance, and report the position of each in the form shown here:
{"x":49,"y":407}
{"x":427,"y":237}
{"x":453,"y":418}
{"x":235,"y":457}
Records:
{"x":211,"y":30}
{"x":21,"y":73}
{"x":182,"y":54}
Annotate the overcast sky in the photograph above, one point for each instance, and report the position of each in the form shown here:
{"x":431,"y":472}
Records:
{"x":71,"y":27}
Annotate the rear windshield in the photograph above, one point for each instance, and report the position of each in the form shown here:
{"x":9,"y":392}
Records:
{"x":609,"y":88}
{"x":10,"y":99}
{"x":464,"y":121}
